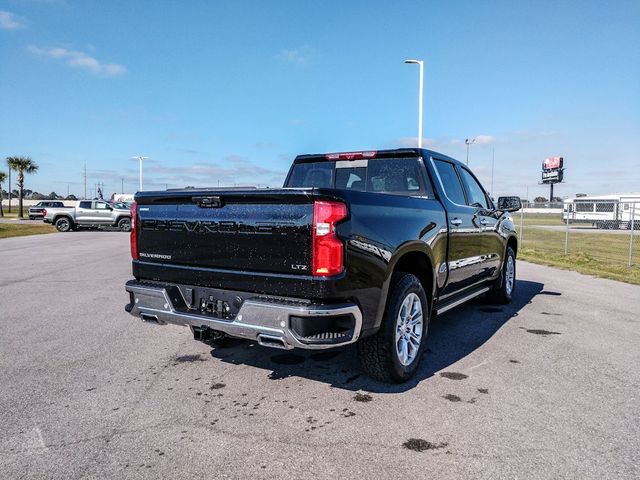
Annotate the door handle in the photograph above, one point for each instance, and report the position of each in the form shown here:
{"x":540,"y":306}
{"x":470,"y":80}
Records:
{"x":483,"y":221}
{"x":456,"y":222}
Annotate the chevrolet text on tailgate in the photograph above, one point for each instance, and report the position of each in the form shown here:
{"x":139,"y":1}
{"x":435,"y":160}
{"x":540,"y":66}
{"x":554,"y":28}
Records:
{"x":359,"y":247}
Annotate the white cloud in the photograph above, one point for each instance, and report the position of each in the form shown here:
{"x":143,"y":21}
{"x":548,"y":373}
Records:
{"x":298,"y":56}
{"x":10,"y":21}
{"x":77,"y":59}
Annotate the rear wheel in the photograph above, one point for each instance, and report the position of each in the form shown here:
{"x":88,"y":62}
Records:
{"x":63,"y":224}
{"x":503,"y":291}
{"x":125,"y":224}
{"x":393,"y":354}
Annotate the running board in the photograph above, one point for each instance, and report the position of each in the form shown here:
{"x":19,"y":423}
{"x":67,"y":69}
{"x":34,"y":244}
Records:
{"x":460,"y":301}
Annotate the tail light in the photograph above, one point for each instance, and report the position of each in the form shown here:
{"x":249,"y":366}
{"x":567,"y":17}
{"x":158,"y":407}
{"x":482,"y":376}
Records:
{"x":44,"y":212}
{"x":327,"y":247}
{"x":134,"y":232}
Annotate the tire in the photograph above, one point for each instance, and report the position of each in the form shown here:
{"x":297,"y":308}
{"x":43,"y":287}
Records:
{"x":124,"y":224}
{"x":63,"y":224}
{"x":380,"y":354}
{"x":506,"y":285}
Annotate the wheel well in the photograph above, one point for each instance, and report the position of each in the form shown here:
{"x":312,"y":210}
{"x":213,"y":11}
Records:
{"x":513,"y":243}
{"x":418,"y":264}
{"x":58,"y":217}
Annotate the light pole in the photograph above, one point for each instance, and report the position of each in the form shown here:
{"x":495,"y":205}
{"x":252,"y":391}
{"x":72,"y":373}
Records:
{"x":420,"y":63}
{"x":141,"y":158}
{"x":469,"y":142}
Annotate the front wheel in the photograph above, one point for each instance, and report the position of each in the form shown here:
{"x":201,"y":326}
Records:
{"x":394,"y":352}
{"x":503,"y":291}
{"x":124,"y":224}
{"x":63,"y":224}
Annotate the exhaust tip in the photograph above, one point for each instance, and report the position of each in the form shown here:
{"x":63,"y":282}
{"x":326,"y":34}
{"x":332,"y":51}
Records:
{"x":272,"y":341}
{"x":150,"y":318}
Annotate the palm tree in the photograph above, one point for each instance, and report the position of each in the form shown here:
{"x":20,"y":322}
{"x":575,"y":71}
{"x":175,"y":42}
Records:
{"x":2,"y":178}
{"x":21,"y":165}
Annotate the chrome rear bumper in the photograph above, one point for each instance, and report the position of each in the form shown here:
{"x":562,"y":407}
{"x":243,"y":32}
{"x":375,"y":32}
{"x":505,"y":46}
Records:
{"x":267,"y":322}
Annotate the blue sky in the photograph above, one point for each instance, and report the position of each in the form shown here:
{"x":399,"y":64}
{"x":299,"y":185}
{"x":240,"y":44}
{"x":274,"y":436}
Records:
{"x":231,"y":91}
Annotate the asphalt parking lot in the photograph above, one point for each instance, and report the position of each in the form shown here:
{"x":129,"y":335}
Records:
{"x":544,"y":388}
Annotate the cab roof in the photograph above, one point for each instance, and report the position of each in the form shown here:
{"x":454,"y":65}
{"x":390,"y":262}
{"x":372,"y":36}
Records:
{"x":371,"y":154}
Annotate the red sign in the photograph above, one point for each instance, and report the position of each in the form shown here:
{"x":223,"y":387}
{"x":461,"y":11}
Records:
{"x":552,"y":163}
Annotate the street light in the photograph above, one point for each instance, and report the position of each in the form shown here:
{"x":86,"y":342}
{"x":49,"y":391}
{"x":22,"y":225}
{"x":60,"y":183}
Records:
{"x":141,"y":158}
{"x":469,"y":142}
{"x":421,"y":64}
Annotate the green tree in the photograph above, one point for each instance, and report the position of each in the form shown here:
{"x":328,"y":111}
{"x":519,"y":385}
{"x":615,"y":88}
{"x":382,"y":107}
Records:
{"x":3,"y":176}
{"x":21,"y":165}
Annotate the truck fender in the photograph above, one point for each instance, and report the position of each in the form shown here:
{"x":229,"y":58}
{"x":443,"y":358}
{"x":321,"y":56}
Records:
{"x":416,"y":249}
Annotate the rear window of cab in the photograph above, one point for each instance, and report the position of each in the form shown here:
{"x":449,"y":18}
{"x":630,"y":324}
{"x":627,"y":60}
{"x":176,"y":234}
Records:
{"x":396,"y":176}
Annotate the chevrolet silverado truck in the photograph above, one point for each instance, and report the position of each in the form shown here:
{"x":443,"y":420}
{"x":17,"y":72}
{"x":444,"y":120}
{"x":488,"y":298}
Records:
{"x":359,"y":247}
{"x":89,"y":214}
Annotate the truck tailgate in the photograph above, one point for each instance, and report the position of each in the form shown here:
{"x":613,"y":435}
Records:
{"x":254,"y":230}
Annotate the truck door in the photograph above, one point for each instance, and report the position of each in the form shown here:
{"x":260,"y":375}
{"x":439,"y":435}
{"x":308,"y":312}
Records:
{"x":465,"y":234}
{"x":492,"y":243}
{"x":102,"y":213}
{"x":84,"y":212}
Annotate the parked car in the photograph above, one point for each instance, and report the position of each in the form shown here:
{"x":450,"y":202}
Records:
{"x":88,"y":213}
{"x":35,"y":211}
{"x":357,"y":247}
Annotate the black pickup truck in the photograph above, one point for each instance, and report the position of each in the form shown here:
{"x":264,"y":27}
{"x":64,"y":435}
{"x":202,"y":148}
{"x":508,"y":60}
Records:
{"x":357,"y":247}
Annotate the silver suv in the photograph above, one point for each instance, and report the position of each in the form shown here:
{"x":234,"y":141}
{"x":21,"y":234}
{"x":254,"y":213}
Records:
{"x":89,"y":213}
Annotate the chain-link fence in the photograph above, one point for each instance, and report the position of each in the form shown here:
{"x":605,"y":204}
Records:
{"x":597,"y":235}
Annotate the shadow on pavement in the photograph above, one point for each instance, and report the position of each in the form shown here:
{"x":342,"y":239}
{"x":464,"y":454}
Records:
{"x":451,"y":337}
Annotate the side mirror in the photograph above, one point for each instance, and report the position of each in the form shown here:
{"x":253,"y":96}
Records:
{"x":509,"y":204}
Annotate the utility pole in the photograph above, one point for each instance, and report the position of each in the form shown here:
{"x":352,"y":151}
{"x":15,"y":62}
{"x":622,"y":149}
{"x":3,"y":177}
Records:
{"x":493,"y":161}
{"x":122,"y":186}
{"x":85,"y":180}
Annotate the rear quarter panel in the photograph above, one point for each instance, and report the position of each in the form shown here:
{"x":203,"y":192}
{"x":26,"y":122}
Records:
{"x":381,"y":228}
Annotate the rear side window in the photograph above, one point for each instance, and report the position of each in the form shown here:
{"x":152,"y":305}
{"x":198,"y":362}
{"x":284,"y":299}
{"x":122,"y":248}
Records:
{"x":318,"y":174}
{"x":450,"y":182}
{"x":475,"y":193}
{"x":398,"y":176}
{"x":85,"y":204}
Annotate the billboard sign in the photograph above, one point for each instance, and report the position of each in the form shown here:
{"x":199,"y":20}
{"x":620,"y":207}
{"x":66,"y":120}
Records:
{"x":552,"y":170}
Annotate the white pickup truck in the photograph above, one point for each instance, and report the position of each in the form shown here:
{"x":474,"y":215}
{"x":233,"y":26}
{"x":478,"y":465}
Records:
{"x":89,"y":213}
